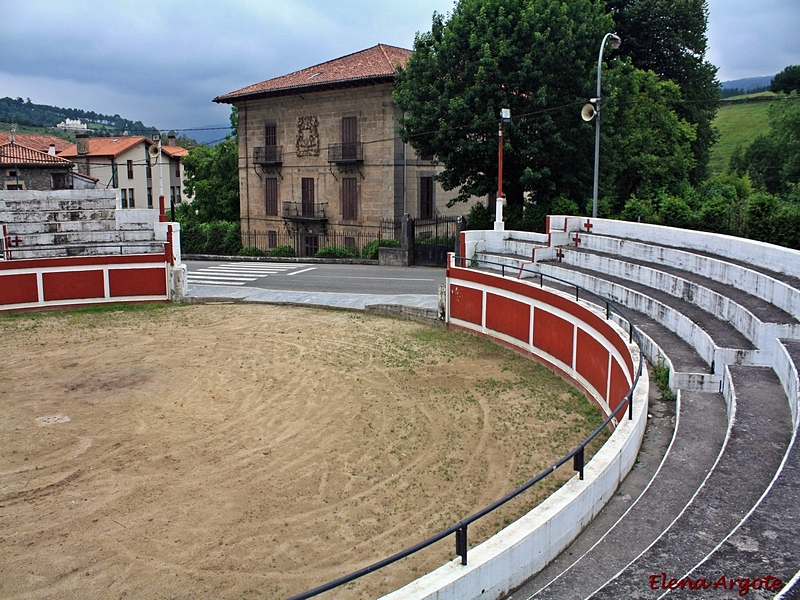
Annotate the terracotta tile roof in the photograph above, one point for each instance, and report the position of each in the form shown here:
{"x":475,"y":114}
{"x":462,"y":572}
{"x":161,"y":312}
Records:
{"x":174,"y":151}
{"x":377,"y":63}
{"x":38,"y":142}
{"x":108,"y":146}
{"x":15,"y":154}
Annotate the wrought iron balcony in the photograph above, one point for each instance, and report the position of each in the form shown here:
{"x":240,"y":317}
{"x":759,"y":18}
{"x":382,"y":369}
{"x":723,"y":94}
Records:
{"x":267,"y":155}
{"x":352,"y":152}
{"x":304,"y":211}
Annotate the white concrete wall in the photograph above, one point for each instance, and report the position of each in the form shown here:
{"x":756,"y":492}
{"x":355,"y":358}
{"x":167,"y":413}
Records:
{"x":787,"y":373}
{"x":762,"y":286}
{"x":767,"y":256}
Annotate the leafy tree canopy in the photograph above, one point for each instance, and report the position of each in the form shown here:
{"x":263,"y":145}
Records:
{"x":532,"y":56}
{"x":212,"y":177}
{"x":669,"y":38}
{"x":787,"y":80}
{"x":646,"y":144}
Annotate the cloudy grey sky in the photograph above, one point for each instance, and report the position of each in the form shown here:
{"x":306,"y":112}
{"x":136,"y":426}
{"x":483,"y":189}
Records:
{"x":163,"y":61}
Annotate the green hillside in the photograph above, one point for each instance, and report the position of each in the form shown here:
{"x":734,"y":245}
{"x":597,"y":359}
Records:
{"x":27,"y":114}
{"x":738,"y":123}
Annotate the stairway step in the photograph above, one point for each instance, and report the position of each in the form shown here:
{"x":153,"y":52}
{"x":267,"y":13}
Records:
{"x":604,"y":549}
{"x":723,"y":334}
{"x":758,"y":440}
{"x":761,"y":309}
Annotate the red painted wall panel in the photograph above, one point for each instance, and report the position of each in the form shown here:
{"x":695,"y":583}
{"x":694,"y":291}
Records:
{"x":591,"y":361}
{"x":466,"y":304}
{"x":73,"y":285}
{"x":553,"y":335}
{"x":137,"y":282}
{"x":16,"y":289}
{"x":619,"y":385}
{"x":508,"y":316}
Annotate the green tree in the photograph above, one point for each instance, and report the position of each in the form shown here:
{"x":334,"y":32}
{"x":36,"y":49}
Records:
{"x":535,"y":57}
{"x":674,"y":212}
{"x":784,"y":123}
{"x":646,"y":145}
{"x":787,"y":80}
{"x":669,"y":38}
{"x":212,"y":177}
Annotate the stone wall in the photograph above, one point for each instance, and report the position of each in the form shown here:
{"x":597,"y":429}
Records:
{"x":306,"y":125}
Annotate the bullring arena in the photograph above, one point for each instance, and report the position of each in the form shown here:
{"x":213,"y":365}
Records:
{"x":719,"y":316}
{"x":272,"y":449}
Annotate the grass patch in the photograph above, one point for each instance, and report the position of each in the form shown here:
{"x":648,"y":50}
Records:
{"x":661,"y":377}
{"x":737,"y":124}
{"x":94,"y":309}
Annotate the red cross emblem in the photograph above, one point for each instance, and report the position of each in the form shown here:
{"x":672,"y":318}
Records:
{"x":588,"y":226}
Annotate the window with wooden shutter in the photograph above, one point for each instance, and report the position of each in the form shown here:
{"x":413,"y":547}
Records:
{"x":307,"y":184}
{"x":271,"y":192}
{"x":349,"y":138}
{"x":426,"y":197}
{"x":349,"y":199}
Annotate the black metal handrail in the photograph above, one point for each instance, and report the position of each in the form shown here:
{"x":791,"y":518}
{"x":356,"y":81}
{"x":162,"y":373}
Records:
{"x":576,"y":455}
{"x":348,"y":152}
{"x":267,"y":155}
{"x":75,"y":250}
{"x":304,"y":210}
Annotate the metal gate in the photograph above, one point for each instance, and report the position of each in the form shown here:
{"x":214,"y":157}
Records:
{"x":431,"y":255}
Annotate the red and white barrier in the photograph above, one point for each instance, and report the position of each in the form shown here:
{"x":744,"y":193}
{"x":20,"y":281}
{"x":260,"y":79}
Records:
{"x":44,"y":282}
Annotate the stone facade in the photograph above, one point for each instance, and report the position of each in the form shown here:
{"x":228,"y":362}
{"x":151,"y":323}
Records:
{"x":320,"y":161}
{"x":36,"y":178}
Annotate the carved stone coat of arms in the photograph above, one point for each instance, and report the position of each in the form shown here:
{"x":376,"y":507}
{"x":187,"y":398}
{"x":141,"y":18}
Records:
{"x":307,"y":136}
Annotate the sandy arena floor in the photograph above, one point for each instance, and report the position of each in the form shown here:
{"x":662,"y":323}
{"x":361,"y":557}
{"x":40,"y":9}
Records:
{"x":243,"y":451}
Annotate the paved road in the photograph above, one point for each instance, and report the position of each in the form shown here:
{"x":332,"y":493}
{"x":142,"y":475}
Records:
{"x":351,"y":286}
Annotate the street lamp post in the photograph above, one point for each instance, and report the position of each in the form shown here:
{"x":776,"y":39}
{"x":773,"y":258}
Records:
{"x":505,"y":117}
{"x":615,"y":43}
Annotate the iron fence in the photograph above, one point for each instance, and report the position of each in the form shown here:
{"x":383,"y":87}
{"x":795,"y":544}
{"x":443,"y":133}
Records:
{"x":267,"y":240}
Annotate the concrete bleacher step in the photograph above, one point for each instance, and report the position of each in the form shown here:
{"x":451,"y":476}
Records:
{"x":779,"y":289}
{"x":721,"y":332}
{"x":758,"y":439}
{"x":766,"y":544}
{"x":604,"y":548}
{"x":683,"y":283}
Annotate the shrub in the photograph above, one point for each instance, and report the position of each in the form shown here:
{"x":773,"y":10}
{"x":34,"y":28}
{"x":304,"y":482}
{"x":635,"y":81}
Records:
{"x":251,"y":251}
{"x":283,"y":251}
{"x":370,"y":251}
{"x":336,"y":252}
{"x":480,"y":217}
{"x":218,"y":237}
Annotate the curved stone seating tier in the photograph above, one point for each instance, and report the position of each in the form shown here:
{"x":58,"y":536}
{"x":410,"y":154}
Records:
{"x":756,"y":319}
{"x":697,"y":442}
{"x":757,"y":442}
{"x":577,"y":341}
{"x":779,"y":289}
{"x":713,"y":352}
{"x":732,"y":305}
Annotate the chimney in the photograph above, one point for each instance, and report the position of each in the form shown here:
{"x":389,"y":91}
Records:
{"x":82,"y":143}
{"x":171,"y":139}
{"x":52,"y":150}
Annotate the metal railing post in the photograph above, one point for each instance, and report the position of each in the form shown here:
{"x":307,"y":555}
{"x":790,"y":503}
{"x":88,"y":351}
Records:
{"x":461,"y":543}
{"x":577,"y":462}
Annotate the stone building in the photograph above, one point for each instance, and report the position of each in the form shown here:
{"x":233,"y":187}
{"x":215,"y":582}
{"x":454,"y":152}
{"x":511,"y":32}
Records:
{"x":320,"y":162}
{"x":23,"y":168}
{"x":132,"y":165}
